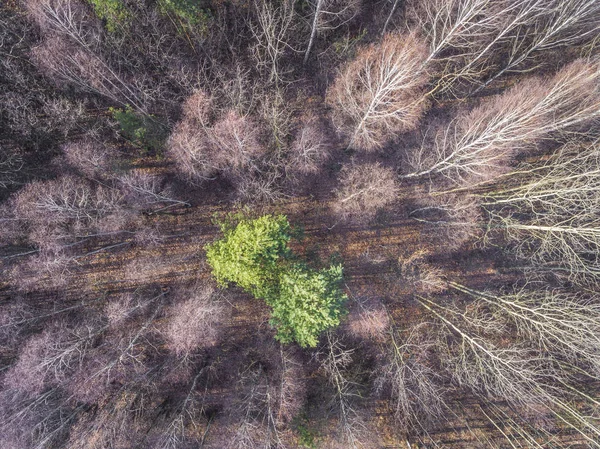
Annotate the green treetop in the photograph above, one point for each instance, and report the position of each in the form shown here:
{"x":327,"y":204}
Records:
{"x":309,"y":302}
{"x":255,"y":256}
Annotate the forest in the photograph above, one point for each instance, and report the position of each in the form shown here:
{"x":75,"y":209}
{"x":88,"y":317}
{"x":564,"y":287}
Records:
{"x":312,"y":224}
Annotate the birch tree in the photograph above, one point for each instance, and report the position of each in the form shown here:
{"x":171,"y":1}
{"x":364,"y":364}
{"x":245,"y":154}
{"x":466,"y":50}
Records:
{"x":554,"y":25}
{"x":329,"y":15}
{"x":514,"y":372}
{"x":474,"y":42}
{"x":553,"y":214}
{"x":380,"y":93}
{"x":559,"y":323}
{"x":480,"y":144}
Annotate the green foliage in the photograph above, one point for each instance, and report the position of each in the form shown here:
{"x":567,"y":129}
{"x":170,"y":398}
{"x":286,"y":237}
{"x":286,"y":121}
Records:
{"x":144,"y":132}
{"x":306,"y":437}
{"x":189,"y":14}
{"x":255,"y":256}
{"x":113,"y":12}
{"x":309,"y":302}
{"x":249,"y":253}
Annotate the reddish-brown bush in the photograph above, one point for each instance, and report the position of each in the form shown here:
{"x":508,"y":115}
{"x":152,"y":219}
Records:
{"x":91,"y":157}
{"x":365,"y":189}
{"x":194,"y":320}
{"x":369,"y":319}
{"x":202,"y":146}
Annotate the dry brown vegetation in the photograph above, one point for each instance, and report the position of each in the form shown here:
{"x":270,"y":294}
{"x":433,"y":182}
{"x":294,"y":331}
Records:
{"x":446,"y":152}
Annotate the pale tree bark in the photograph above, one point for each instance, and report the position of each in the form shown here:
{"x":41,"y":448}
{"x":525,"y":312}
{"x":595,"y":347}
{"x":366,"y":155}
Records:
{"x":558,"y":24}
{"x":380,"y":93}
{"x":520,"y":375}
{"x":560,"y":323}
{"x":329,"y":15}
{"x":272,"y":33}
{"x":464,"y":36}
{"x":479,"y":145}
{"x":552,"y":214}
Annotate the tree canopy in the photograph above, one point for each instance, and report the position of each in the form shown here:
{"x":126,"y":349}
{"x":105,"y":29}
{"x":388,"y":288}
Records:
{"x":254,"y":255}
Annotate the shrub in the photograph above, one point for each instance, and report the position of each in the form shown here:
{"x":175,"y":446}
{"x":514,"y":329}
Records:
{"x":112,"y":12}
{"x":143,"y":131}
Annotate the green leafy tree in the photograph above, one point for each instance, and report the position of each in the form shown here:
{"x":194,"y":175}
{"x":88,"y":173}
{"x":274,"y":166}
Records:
{"x":249,"y":253}
{"x":254,"y":254}
{"x":309,"y":302}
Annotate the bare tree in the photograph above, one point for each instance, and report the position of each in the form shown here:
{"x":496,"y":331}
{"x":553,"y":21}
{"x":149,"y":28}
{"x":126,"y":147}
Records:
{"x":66,"y":18}
{"x":67,"y":202}
{"x":292,"y":390}
{"x":329,"y":15}
{"x":334,"y":363}
{"x":425,"y":277}
{"x":555,"y":24}
{"x":278,"y":114}
{"x":92,"y":158}
{"x":124,"y":356}
{"x":48,"y":358}
{"x":551,"y":214}
{"x":475,"y":40}
{"x":236,"y":141}
{"x":115,"y":422}
{"x":189,"y":145}
{"x":148,"y":191}
{"x":182,"y":425}
{"x":479,"y":145}
{"x":80,"y":67}
{"x":256,"y":425}
{"x":517,"y":373}
{"x":454,"y":30}
{"x":365,"y":189}
{"x":390,"y":15}
{"x":256,"y":187}
{"x":511,"y":373}
{"x":408,"y":376}
{"x":458,"y":220}
{"x":11,"y":164}
{"x":39,"y":422}
{"x":273,"y":33}
{"x":380,"y":93}
{"x":203,"y":145}
{"x":310,"y":148}
{"x":369,"y":319}
{"x":562,"y":324}
{"x":464,"y":35}
{"x":193,"y":320}
{"x":50,"y":268}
